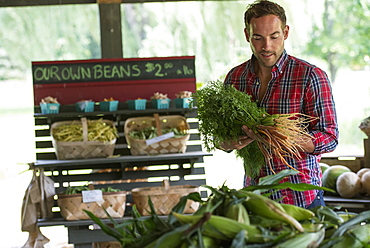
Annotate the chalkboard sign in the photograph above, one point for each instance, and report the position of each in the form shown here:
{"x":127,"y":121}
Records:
{"x":110,"y":70}
{"x":121,"y":79}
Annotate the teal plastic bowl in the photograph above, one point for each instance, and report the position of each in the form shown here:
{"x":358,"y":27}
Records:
{"x":182,"y":102}
{"x":138,"y":104}
{"x":50,"y":108}
{"x":85,"y":106}
{"x":108,"y":105}
{"x":161,"y":103}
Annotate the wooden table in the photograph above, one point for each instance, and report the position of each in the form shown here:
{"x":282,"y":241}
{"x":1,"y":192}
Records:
{"x":356,"y":204}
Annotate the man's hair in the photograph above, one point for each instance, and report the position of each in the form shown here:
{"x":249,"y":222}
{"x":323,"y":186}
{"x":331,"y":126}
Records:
{"x":262,"y":8}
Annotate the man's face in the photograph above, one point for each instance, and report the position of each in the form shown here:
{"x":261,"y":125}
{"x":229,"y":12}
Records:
{"x":266,"y":38}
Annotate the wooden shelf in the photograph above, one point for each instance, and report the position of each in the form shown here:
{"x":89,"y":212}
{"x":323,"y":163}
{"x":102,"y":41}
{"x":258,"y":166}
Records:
{"x":190,"y":157}
{"x":356,"y":204}
{"x":121,"y":171}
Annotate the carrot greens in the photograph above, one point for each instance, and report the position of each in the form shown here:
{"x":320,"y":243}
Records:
{"x":222,"y":110}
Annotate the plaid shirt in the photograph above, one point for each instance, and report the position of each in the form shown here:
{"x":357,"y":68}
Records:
{"x":296,"y":87}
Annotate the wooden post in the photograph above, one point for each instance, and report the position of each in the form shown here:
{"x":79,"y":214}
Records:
{"x":110,"y":28}
{"x":367,"y":153}
{"x":109,"y":1}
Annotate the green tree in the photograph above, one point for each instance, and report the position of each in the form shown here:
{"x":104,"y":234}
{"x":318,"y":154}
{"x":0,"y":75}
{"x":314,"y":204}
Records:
{"x":135,"y":19}
{"x":47,"y":33}
{"x":341,"y":39}
{"x":210,"y":30}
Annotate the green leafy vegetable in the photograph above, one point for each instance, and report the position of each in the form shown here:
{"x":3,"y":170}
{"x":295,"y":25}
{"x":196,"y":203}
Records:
{"x":79,"y":189}
{"x":222,"y":110}
{"x":151,"y":132}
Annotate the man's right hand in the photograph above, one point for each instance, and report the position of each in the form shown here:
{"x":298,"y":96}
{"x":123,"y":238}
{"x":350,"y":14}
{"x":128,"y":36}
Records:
{"x":240,"y":143}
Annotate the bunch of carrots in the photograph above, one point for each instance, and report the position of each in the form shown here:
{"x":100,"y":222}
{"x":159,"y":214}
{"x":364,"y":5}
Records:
{"x":222,"y":110}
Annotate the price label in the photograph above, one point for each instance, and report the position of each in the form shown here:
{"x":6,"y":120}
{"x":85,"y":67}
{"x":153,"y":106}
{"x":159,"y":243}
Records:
{"x":160,"y":138}
{"x":92,"y":195}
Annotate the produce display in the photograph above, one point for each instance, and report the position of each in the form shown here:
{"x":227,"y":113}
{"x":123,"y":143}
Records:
{"x":323,"y":167}
{"x":98,"y":130}
{"x":365,"y":182}
{"x":49,"y":99}
{"x":183,"y":94}
{"x":137,"y":104}
{"x":85,"y":106}
{"x":79,"y":189}
{"x":72,"y":203}
{"x":109,"y":104}
{"x":362,"y":171}
{"x":110,"y":99}
{"x":160,"y":101}
{"x":158,"y":95}
{"x":49,"y":105}
{"x":243,"y":218}
{"x":151,"y":132}
{"x":348,"y":184}
{"x":330,"y":176}
{"x":222,"y":110}
{"x":345,"y":182}
{"x":183,"y":99}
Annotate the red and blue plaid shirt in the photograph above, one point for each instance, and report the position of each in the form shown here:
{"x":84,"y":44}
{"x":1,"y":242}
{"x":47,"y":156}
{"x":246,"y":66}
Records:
{"x":296,"y":87}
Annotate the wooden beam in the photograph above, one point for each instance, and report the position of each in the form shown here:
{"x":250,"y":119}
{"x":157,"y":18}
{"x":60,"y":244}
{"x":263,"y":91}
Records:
{"x":109,"y":1}
{"x":27,"y":3}
{"x":110,"y":30}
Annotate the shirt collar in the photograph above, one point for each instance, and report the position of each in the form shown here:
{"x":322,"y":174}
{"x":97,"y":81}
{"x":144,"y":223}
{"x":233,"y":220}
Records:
{"x":277,"y":67}
{"x":281,"y":61}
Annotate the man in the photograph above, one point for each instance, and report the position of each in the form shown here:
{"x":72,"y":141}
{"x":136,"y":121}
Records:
{"x":283,"y":84}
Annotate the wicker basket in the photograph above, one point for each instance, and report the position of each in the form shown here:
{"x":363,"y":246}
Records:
{"x":82,"y":149}
{"x":71,"y":206}
{"x":171,"y":145}
{"x":164,"y":198}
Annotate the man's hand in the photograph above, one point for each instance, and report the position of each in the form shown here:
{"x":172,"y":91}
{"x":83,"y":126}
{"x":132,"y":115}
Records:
{"x":241,"y":142}
{"x":249,"y":132}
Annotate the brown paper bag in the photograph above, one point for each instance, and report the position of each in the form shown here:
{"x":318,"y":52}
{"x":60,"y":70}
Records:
{"x":37,"y":203}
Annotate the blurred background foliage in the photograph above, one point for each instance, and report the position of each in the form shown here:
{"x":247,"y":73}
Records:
{"x":341,"y":38}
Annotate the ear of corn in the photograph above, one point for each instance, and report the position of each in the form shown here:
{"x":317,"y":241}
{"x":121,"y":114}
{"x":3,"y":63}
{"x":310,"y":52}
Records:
{"x":312,"y":226}
{"x":347,"y":216}
{"x":202,"y":241}
{"x":239,"y":213}
{"x":173,"y":238}
{"x":266,"y":207}
{"x":356,"y":237}
{"x":239,"y":240}
{"x":223,"y":228}
{"x":209,"y":242}
{"x":328,"y":214}
{"x":309,"y":239}
{"x":221,"y":222}
{"x":298,"y":213}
